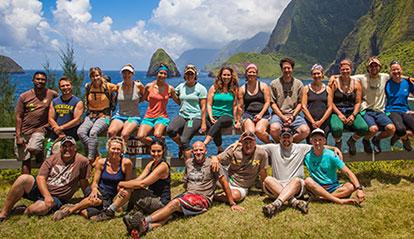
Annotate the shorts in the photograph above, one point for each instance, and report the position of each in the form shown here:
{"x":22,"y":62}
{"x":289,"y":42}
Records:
{"x":128,"y":119}
{"x":297,"y":122}
{"x":331,"y":187}
{"x":297,"y":195}
{"x":34,"y":141}
{"x":145,"y":201}
{"x":193,"y":204}
{"x":35,"y":195}
{"x":154,"y":121}
{"x":376,"y":118}
{"x":250,"y":115}
{"x":105,"y":197}
{"x":234,"y":186}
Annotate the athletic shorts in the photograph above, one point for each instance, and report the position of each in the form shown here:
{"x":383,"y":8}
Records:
{"x":297,"y":195}
{"x":35,"y":195}
{"x":34,"y":141}
{"x":124,"y":119}
{"x":234,"y":186}
{"x":105,"y":197}
{"x":297,"y":122}
{"x":250,"y":115}
{"x":154,"y":121}
{"x":376,"y":118}
{"x":145,"y":201}
{"x":193,"y":204}
{"x":331,"y":187}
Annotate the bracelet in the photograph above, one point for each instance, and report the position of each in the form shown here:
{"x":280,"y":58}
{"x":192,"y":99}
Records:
{"x":233,"y":203}
{"x":354,"y":114}
{"x":359,"y":188}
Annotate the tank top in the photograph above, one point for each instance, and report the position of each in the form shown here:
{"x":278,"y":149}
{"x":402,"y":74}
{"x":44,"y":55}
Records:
{"x":344,"y":102}
{"x":254,"y":103}
{"x":64,"y":110}
{"x":109,"y":182}
{"x":157,"y":103}
{"x":128,"y":103}
{"x":223,"y":104}
{"x":161,"y":187}
{"x":317,"y":103}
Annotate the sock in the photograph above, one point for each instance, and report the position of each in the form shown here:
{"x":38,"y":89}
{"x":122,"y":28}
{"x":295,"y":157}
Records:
{"x":113,"y":208}
{"x":148,"y":219}
{"x":278,"y":202}
{"x":149,"y":228}
{"x":292,"y":200}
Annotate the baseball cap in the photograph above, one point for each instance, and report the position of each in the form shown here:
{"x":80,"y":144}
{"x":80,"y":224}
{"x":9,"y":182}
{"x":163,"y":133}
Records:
{"x":190,"y":68}
{"x":247,"y":135}
{"x":374,"y":60}
{"x":318,"y":131}
{"x":68,"y":139}
{"x":286,"y":130}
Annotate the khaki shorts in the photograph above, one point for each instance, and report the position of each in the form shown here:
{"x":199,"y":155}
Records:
{"x":297,"y":195}
{"x":34,"y":141}
{"x":234,"y":186}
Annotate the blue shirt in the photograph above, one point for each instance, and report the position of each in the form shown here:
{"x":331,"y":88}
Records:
{"x":323,"y":168}
{"x":190,"y":100}
{"x":64,"y":110}
{"x":397,"y":95}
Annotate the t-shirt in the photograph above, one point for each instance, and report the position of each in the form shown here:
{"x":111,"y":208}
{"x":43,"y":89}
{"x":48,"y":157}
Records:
{"x":97,"y":99}
{"x":287,"y":164}
{"x":200,"y":179}
{"x":373,"y":93}
{"x":62,"y":178}
{"x":35,"y":110}
{"x":243,"y":168}
{"x":190,"y":100}
{"x":286,"y":95}
{"x":323,"y":168}
{"x":64,"y":110}
{"x":397,"y":95}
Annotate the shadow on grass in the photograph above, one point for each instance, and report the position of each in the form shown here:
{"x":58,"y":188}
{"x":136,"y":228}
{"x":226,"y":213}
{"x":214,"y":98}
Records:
{"x":365,"y":177}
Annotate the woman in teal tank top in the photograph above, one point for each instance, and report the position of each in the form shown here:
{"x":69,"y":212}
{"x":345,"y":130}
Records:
{"x":221,"y":105}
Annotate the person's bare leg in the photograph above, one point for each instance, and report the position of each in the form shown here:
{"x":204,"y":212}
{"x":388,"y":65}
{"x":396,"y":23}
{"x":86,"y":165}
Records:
{"x":161,"y":216}
{"x":208,"y":140}
{"x":301,"y":133}
{"x":372,"y":131}
{"x":388,"y":132}
{"x":312,"y":186}
{"x":115,"y":127}
{"x":273,"y":186}
{"x":127,"y":130}
{"x":223,"y":198}
{"x":345,"y":190}
{"x":261,"y":131}
{"x":290,"y":190}
{"x":275,"y":130}
{"x":85,"y":203}
{"x":143,"y":132}
{"x":22,"y":185}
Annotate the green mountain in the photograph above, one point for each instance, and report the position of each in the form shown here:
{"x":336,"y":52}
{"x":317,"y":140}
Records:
{"x":386,"y":31}
{"x":198,"y":57}
{"x":161,"y":56}
{"x":8,"y":65}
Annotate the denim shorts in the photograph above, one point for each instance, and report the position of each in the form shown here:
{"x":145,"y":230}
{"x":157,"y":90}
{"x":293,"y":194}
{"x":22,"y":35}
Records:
{"x":376,"y":118}
{"x":124,"y":118}
{"x":154,"y":121}
{"x":297,"y":122}
{"x":35,"y":195}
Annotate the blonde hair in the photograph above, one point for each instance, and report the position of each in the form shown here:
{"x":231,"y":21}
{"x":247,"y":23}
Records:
{"x":118,"y":140}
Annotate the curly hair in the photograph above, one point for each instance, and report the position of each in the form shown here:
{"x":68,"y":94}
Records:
{"x":233,"y":85}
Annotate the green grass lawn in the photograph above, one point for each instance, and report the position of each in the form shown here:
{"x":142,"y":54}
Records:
{"x":386,"y":213}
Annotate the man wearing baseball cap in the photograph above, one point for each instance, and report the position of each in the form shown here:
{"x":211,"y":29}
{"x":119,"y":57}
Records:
{"x":246,"y":160}
{"x":54,"y":185}
{"x":323,"y":181}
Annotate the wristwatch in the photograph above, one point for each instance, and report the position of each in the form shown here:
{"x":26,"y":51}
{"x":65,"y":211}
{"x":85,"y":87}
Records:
{"x":354,"y":114}
{"x":359,"y":188}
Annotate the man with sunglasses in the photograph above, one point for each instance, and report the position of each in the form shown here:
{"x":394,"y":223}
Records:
{"x":286,"y":97}
{"x":55,"y":184}
{"x":373,"y":105}
{"x":32,"y":121}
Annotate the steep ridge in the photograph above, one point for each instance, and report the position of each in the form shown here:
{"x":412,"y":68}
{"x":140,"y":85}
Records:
{"x":8,"y":65}
{"x":161,"y":56}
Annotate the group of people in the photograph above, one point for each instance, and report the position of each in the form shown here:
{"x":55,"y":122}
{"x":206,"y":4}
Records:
{"x":363,"y":103}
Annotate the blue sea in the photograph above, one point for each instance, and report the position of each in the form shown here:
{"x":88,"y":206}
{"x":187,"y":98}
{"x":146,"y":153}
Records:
{"x":24,"y":82}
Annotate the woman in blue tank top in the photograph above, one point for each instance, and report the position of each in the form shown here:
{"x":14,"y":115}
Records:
{"x":108,"y":173}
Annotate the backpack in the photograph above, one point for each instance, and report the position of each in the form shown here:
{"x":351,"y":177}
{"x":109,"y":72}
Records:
{"x":112,"y":102}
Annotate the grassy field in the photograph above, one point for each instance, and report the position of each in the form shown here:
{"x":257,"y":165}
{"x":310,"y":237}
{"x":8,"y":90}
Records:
{"x":386,"y":213}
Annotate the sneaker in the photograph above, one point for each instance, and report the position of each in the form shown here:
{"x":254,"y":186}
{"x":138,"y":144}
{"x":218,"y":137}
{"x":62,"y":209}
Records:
{"x":338,"y":144}
{"x":136,"y":225}
{"x":103,"y":216}
{"x":367,"y":146}
{"x":351,"y":146}
{"x":301,"y":206}
{"x":61,"y":213}
{"x":407,"y":145}
{"x":377,"y":144}
{"x":393,"y":139}
{"x":18,"y":210}
{"x":270,"y":209}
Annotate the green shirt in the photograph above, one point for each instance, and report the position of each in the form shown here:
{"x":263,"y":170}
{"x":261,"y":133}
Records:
{"x":223,"y":104}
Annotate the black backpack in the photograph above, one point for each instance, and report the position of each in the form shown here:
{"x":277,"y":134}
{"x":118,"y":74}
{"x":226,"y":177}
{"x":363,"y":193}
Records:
{"x":112,"y":102}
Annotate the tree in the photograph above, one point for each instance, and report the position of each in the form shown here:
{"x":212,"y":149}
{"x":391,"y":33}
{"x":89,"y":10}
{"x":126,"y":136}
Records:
{"x":51,"y":76}
{"x":69,"y":67}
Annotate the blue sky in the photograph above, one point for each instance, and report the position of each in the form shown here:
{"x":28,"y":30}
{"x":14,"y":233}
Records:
{"x":110,"y":33}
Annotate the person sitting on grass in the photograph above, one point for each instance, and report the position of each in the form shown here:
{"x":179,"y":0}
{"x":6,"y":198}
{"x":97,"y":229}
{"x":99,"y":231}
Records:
{"x":54,"y":185}
{"x":156,"y":176}
{"x":200,"y":183}
{"x":323,"y":181}
{"x":108,"y":173}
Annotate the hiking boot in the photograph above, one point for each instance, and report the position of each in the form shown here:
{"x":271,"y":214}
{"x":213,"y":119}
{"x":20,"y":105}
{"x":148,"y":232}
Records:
{"x":351,"y":146}
{"x":301,"y":206}
{"x":270,"y":209}
{"x":393,"y":139}
{"x":136,"y":225}
{"x":377,"y":145}
{"x":367,"y":146}
{"x":407,"y":144}
{"x":18,"y":210}
{"x":62,"y":212}
{"x":103,"y":216}
{"x":338,"y":144}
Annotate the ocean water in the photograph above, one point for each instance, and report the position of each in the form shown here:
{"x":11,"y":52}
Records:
{"x":24,"y":82}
